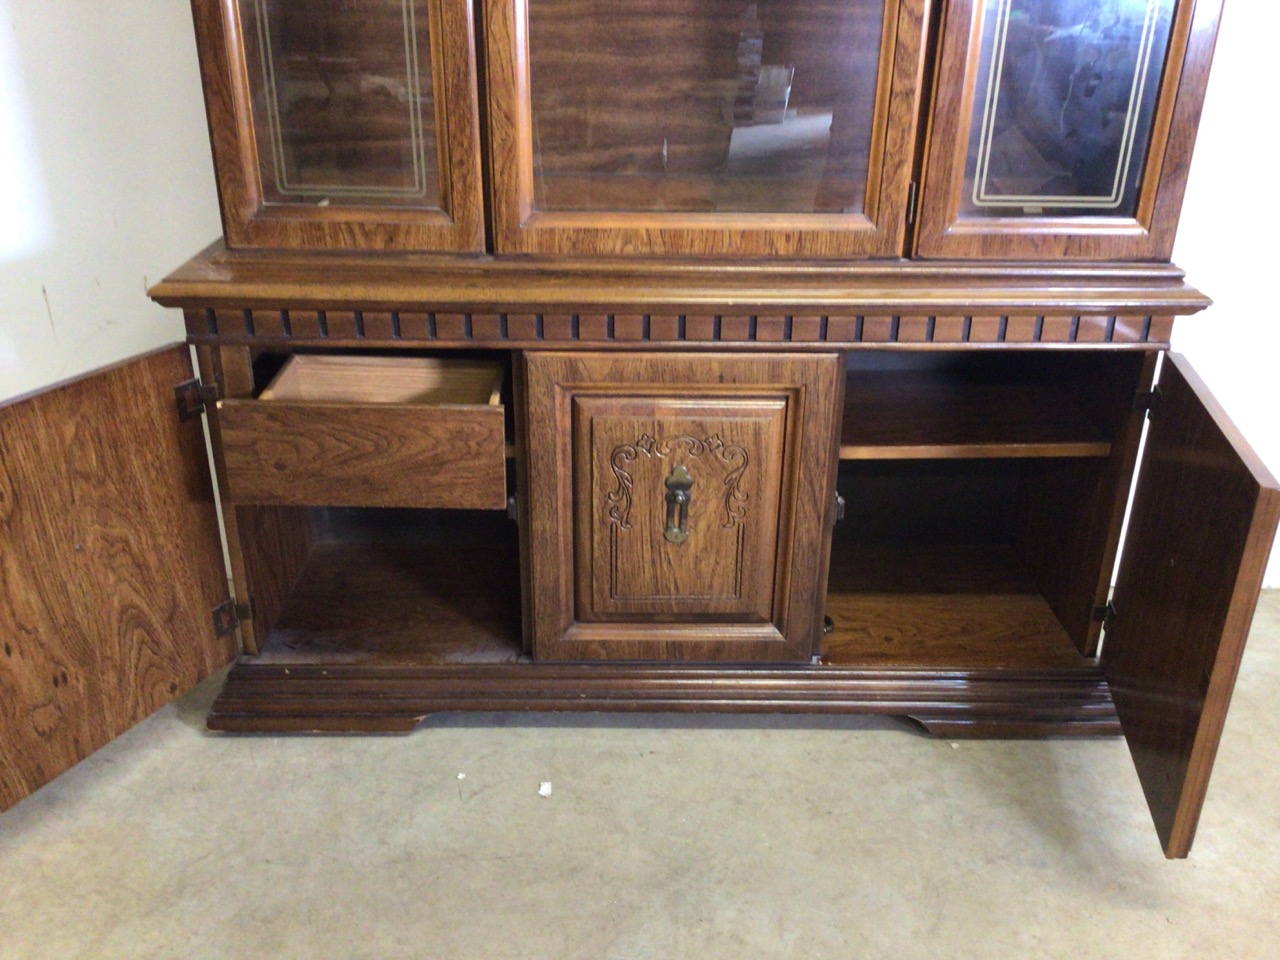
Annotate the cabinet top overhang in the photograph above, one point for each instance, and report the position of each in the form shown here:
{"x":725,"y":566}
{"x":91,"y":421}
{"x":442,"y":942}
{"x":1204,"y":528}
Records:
{"x":223,"y":278}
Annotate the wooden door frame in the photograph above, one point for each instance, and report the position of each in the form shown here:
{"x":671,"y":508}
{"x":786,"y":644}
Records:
{"x":878,"y":232}
{"x":248,"y":221}
{"x":941,"y":232}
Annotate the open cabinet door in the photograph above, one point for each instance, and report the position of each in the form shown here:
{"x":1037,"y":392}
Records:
{"x":1203,"y":520}
{"x":110,"y":563}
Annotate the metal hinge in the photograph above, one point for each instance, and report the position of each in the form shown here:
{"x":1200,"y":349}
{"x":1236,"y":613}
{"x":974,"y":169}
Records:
{"x":228,"y":614}
{"x":1105,"y":613}
{"x":193,"y":397}
{"x":840,"y":507}
{"x":1148,"y":401}
{"x":913,"y":193}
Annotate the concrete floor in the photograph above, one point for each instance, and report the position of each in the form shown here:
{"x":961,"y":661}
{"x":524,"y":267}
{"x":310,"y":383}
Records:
{"x":664,"y":837}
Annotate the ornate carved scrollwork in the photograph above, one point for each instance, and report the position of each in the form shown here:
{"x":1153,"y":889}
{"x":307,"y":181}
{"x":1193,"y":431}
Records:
{"x":731,"y":455}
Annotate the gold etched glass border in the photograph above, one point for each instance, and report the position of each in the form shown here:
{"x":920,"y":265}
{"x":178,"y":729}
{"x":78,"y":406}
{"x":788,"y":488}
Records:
{"x":983,"y":197}
{"x":339,"y":191}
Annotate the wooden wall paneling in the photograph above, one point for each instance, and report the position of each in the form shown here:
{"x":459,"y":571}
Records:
{"x":250,"y":222}
{"x":943,"y":232}
{"x":111,"y":564}
{"x":1204,"y":516}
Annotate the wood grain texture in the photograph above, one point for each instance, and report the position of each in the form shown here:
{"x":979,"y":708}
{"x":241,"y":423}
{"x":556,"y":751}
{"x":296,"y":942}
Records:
{"x":940,"y":607}
{"x":111,"y":563}
{"x":625,"y":451}
{"x":274,"y":544}
{"x":249,"y":221}
{"x":555,"y":381}
{"x":386,"y":454}
{"x":894,"y":415}
{"x":342,"y":378}
{"x":1070,"y":514}
{"x":279,"y":698}
{"x":631,"y":331}
{"x":944,"y":233}
{"x":520,"y":228}
{"x":450,"y":598}
{"x":1203,"y":519}
{"x":234,"y":281}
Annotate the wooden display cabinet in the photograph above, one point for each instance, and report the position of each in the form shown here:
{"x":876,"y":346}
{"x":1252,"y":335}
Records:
{"x":805,"y":367}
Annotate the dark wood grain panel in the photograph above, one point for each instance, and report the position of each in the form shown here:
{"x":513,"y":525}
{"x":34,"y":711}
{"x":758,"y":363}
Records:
{"x":1203,"y":520}
{"x":892,"y":415}
{"x":406,"y":455}
{"x":298,"y":698}
{"x":220,"y":278}
{"x":110,"y":567}
{"x":943,"y":607}
{"x":275,"y":544}
{"x":732,"y":451}
{"x":810,"y":387}
{"x":405,"y":603}
{"x":1070,"y":513}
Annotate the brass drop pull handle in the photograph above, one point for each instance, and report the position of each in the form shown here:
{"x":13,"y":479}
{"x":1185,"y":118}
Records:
{"x":678,"y":485}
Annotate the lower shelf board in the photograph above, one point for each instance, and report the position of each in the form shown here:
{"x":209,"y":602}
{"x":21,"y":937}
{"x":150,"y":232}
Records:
{"x":954,"y":607}
{"x":376,"y":636}
{"x":400,"y":604}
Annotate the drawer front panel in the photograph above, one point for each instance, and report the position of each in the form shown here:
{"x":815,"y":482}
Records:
{"x":677,"y":504}
{"x":370,"y":455}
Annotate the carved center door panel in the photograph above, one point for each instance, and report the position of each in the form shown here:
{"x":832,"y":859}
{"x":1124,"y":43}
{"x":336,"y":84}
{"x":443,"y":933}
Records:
{"x":678,"y":506}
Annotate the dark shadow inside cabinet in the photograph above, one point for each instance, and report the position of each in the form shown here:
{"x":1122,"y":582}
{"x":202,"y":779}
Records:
{"x":394,"y":586}
{"x":983,"y":496}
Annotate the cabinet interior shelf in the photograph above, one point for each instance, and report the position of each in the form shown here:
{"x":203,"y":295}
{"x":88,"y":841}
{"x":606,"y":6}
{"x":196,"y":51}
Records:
{"x":944,"y":607}
{"x":418,"y":597}
{"x":913,"y":415}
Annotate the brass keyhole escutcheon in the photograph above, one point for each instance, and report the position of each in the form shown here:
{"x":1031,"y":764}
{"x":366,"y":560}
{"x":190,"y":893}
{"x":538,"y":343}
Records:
{"x":678,"y":486}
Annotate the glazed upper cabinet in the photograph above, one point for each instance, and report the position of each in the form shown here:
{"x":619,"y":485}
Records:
{"x":821,"y":129}
{"x":344,"y":125}
{"x":1063,"y":128}
{"x":716,"y":127}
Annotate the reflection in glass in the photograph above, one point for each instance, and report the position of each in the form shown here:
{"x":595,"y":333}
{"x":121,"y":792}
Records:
{"x":703,"y":105}
{"x":342,"y":101}
{"x":1063,"y":107}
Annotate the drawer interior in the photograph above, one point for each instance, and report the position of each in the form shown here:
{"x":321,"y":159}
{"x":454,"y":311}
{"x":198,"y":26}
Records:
{"x":319,"y":378}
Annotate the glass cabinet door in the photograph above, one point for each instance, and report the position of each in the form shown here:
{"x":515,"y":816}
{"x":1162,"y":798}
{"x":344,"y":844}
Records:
{"x":779,"y":127}
{"x":346,"y":123}
{"x":1053,"y":126}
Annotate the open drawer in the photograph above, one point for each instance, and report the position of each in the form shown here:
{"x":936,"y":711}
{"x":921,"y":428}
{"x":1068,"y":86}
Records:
{"x":347,"y":431}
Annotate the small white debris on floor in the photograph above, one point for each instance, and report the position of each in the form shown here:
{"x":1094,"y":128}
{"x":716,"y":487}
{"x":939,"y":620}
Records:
{"x":544,"y":790}
{"x":955,"y":746}
{"x":462,"y":776}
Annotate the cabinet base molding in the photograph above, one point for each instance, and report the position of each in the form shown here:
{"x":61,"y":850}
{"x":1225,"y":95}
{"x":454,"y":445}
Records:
{"x":300,"y":698}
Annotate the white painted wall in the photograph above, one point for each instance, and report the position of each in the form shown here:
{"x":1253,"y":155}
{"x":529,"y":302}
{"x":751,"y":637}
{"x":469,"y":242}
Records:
{"x":106,"y":184}
{"x":1226,"y":235}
